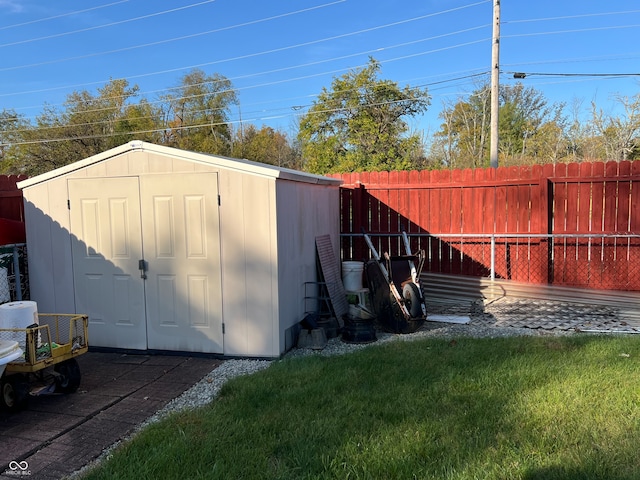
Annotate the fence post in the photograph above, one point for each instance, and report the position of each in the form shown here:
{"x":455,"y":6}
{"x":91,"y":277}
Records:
{"x":359,"y":220}
{"x":493,"y":257}
{"x":16,"y":271}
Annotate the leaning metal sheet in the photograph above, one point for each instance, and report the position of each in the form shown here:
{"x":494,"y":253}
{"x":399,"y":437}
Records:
{"x":331,"y":273}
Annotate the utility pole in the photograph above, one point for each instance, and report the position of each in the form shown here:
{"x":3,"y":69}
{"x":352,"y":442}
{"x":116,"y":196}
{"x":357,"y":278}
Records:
{"x":495,"y":84}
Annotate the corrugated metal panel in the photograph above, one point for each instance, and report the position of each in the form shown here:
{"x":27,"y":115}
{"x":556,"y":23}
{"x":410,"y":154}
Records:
{"x":459,"y":289}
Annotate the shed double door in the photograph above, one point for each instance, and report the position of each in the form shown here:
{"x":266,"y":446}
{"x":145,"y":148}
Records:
{"x":146,"y":261}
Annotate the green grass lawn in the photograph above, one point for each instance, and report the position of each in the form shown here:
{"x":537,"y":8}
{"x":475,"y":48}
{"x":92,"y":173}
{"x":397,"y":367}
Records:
{"x":505,"y":408}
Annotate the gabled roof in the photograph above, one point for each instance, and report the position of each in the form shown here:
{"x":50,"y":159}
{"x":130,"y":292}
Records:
{"x":253,"y":168}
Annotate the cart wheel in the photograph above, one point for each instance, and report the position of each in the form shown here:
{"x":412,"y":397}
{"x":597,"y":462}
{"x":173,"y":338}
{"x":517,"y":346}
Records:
{"x":411,"y":297}
{"x":15,"y":391}
{"x":68,"y":379}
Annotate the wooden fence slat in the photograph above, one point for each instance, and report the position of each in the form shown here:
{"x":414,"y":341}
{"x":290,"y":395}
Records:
{"x":558,"y":222}
{"x":413,"y":205}
{"x":394,"y":214}
{"x":597,"y":225}
{"x":571,"y":247}
{"x":634,"y":227}
{"x":456,"y":219}
{"x":634,"y":214}
{"x":403,"y":203}
{"x":609,"y":253}
{"x":11,"y":203}
{"x":423,"y":213}
{"x":622,"y":223}
{"x":539,"y":263}
{"x":582,"y":206}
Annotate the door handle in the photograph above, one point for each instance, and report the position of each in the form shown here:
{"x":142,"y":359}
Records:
{"x":143,"y":266}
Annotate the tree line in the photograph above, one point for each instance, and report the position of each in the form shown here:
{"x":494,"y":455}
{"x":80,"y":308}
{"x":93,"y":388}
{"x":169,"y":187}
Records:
{"x":358,"y":123}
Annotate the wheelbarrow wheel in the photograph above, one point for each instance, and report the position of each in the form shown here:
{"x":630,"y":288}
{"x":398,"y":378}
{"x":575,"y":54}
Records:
{"x":411,"y":297}
{"x":68,"y":378}
{"x":15,"y":391}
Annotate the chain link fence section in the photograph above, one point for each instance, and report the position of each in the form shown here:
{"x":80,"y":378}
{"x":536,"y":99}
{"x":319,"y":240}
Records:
{"x":14,"y":277}
{"x":592,"y":281}
{"x":592,"y":261}
{"x":564,"y":282}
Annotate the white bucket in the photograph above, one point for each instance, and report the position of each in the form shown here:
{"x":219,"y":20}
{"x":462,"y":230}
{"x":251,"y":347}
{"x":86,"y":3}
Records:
{"x":18,"y":315}
{"x":352,"y":275}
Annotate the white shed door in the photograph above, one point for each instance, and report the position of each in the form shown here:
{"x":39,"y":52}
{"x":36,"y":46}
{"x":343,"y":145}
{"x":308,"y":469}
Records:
{"x":171,"y":222}
{"x":106,"y":246}
{"x":182,"y":249}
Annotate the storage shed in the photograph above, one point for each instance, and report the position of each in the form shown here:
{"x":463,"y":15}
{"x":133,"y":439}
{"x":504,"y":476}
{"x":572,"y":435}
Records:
{"x":171,"y":250}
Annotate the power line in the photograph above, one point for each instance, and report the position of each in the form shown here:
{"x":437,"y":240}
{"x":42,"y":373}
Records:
{"x":305,"y":65}
{"x":521,"y":75}
{"x":96,"y":27}
{"x":576,"y":30}
{"x":404,"y":57}
{"x":185,"y":127}
{"x":68,"y":14}
{"x":289,"y":47}
{"x":169,"y":40}
{"x":241,"y":57}
{"x":380,"y":49}
{"x":608,"y":13}
{"x":563,"y":61}
{"x":226,"y":122}
{"x":570,"y":17}
{"x":296,"y":107}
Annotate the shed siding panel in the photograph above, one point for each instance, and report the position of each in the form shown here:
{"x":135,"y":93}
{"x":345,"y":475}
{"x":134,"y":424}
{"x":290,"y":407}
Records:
{"x":95,"y":170}
{"x":248,"y":275}
{"x":61,"y":248}
{"x":304,"y":212}
{"x":138,"y":163}
{"x":38,"y":226}
{"x":50,"y":273}
{"x":261,"y":280}
{"x":233,"y":264}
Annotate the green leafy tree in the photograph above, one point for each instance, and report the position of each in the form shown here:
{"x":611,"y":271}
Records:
{"x":12,"y":129}
{"x":359,"y":124}
{"x":196,"y":113}
{"x":87,"y":125}
{"x":265,"y":145}
{"x":619,"y":135}
{"x":142,"y":121}
{"x":530,"y":130}
{"x":527,"y":121}
{"x":464,"y":133}
{"x":93,"y":122}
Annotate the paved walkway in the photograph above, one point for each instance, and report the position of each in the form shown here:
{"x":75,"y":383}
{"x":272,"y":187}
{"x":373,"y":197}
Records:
{"x":58,"y":434}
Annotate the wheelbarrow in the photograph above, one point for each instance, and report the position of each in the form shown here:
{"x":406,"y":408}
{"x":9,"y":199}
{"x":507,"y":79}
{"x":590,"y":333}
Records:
{"x":394,"y":286}
{"x":47,"y":362}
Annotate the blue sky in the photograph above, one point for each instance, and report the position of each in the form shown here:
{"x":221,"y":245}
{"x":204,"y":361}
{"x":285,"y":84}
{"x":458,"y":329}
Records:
{"x":279,"y":54}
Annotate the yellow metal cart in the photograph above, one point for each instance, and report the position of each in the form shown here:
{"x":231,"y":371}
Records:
{"x":55,"y":341}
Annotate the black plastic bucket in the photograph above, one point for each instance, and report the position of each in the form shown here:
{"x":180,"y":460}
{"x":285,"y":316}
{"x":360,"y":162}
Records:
{"x":358,"y":330}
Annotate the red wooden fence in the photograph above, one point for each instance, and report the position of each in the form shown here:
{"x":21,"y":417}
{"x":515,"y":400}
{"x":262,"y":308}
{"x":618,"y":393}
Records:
{"x":11,"y":210}
{"x":584,"y":220}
